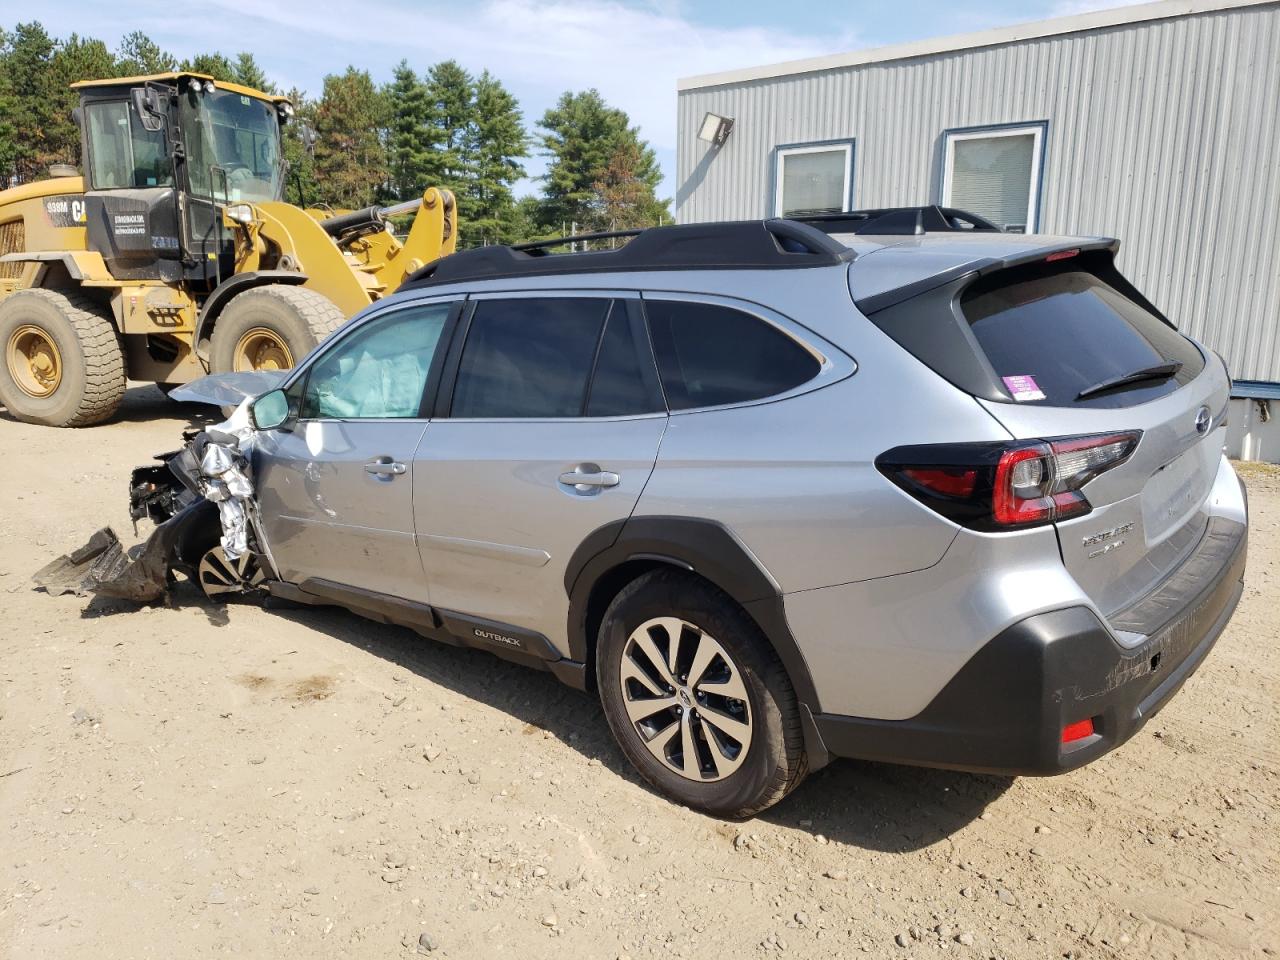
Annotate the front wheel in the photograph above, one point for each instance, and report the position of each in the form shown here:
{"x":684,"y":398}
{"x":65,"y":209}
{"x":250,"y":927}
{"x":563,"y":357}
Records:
{"x":697,"y":699}
{"x":271,"y":328}
{"x":220,"y":578}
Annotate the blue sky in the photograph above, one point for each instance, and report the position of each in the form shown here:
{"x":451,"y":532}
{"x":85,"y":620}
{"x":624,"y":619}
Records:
{"x":631,"y":50}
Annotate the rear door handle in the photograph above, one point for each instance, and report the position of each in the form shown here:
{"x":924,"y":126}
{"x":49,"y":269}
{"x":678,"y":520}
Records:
{"x":385,"y":468}
{"x":583,"y":479}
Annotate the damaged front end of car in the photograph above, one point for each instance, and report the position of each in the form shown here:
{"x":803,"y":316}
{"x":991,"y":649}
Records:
{"x":207,"y":526}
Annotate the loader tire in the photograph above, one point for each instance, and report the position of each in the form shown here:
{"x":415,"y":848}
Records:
{"x":271,"y":328}
{"x":62,"y":365}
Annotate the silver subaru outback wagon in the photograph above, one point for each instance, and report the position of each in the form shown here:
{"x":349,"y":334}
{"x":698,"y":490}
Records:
{"x":890,"y":485}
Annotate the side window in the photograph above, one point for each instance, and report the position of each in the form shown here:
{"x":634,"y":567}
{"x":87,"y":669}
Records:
{"x":529,"y":357}
{"x":709,"y":355}
{"x":625,"y":382}
{"x":379,"y":370}
{"x":121,"y":152}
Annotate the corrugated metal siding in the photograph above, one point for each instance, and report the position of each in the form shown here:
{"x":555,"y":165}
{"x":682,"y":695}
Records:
{"x":1165,"y":134}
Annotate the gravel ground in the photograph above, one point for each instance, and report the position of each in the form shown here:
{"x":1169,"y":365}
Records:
{"x":190,"y":781}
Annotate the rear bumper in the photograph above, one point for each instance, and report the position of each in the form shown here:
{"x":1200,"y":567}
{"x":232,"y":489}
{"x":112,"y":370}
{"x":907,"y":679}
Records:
{"x":1004,"y":711}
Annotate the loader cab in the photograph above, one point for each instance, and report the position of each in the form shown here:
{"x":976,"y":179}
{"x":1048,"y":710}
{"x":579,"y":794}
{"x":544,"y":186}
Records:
{"x":163,"y":155}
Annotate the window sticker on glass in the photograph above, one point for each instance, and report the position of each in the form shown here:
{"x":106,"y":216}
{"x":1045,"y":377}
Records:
{"x":1023,"y":387}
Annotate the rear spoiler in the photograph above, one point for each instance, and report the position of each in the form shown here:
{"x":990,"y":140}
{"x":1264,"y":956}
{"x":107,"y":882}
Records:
{"x":988,"y":265}
{"x":980,"y":268}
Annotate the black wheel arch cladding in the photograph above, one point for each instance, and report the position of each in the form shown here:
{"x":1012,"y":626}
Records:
{"x":703,"y":547}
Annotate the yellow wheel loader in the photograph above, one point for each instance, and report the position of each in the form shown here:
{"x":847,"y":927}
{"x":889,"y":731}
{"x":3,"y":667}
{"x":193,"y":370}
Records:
{"x":174,"y":256}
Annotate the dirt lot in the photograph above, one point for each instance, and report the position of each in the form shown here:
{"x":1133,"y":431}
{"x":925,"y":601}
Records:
{"x":192,"y":781}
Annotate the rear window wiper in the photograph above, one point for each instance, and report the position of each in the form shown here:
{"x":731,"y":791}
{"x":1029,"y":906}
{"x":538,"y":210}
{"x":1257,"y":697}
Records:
{"x":1160,"y":371}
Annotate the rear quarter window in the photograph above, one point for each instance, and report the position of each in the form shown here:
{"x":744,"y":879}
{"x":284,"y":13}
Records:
{"x":711,"y":355}
{"x":1058,"y":334}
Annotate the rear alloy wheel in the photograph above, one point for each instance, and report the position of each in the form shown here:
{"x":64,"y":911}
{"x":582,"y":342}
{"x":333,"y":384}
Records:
{"x":220,"y":577}
{"x":685,"y":698}
{"x":697,"y":698}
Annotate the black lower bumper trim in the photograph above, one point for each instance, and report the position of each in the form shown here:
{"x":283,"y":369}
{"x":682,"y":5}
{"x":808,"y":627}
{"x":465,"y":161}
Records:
{"x":1005,"y":710}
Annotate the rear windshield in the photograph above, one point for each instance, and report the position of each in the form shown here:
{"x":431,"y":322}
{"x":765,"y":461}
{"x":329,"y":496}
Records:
{"x":1052,"y":337}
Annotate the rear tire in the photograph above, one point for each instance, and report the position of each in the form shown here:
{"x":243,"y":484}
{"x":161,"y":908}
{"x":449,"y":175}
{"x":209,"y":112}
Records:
{"x":732,"y":705}
{"x":271,"y":328}
{"x":62,"y":364}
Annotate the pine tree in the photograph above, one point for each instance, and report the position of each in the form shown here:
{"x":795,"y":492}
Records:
{"x":583,"y":136}
{"x":493,"y":145}
{"x":623,"y":197}
{"x":350,"y":159}
{"x":244,"y":70}
{"x":452,"y":101}
{"x":301,"y":187}
{"x":9,"y":134}
{"x":74,"y":59}
{"x":32,"y":83}
{"x":411,"y":135}
{"x":247,"y":73}
{"x":138,"y":54}
{"x":214,"y":64}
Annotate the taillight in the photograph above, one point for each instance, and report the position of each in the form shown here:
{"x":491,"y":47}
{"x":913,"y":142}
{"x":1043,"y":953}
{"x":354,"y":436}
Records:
{"x":1001,"y":486}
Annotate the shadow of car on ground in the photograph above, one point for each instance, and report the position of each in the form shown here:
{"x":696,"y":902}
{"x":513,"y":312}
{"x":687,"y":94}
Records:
{"x":876,"y":806}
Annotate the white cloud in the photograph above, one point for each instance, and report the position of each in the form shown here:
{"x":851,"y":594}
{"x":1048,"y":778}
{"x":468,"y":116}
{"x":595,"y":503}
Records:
{"x":633,"y":53}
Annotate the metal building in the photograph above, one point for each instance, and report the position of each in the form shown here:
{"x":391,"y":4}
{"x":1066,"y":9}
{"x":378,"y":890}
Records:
{"x":1158,"y":124}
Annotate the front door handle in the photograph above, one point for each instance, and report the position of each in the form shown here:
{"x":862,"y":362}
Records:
{"x":588,"y":477}
{"x":385,"y":468}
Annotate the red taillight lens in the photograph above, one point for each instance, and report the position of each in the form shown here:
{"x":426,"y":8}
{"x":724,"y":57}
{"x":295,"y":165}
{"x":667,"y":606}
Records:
{"x":1080,"y":730}
{"x":1021,"y":492}
{"x":948,"y":481}
{"x":993,"y":486}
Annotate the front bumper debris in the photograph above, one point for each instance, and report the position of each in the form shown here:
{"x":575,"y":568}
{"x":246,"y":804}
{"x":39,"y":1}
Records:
{"x":198,"y":496}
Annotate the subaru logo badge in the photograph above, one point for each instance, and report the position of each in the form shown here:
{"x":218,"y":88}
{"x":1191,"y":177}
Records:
{"x":1203,"y":420}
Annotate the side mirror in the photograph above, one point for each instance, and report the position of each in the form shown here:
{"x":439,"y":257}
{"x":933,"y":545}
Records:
{"x":269,"y":410}
{"x":309,"y":138}
{"x":146,"y":102}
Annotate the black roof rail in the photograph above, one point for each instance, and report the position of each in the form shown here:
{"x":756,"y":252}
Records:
{"x":539,"y":247}
{"x":899,"y":221}
{"x":735,"y":245}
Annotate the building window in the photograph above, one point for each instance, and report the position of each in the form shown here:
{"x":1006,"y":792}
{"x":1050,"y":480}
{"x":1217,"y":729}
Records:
{"x":815,"y":178}
{"x":995,"y":173}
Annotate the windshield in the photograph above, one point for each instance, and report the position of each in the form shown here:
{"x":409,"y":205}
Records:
{"x":233,"y":134}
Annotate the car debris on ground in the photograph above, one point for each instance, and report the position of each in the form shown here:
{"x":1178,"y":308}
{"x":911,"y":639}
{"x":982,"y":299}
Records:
{"x":209,"y":477}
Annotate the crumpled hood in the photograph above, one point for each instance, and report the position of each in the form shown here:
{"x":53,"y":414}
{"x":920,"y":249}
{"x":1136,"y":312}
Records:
{"x":229,"y":389}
